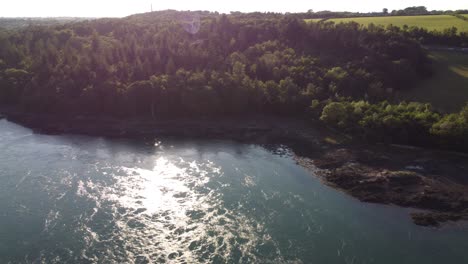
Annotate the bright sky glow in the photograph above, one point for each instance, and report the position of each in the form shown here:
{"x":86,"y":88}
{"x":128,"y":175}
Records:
{"x":120,"y":8}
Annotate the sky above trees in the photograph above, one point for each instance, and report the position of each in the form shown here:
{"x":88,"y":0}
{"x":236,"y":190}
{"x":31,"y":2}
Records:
{"x":119,"y":8}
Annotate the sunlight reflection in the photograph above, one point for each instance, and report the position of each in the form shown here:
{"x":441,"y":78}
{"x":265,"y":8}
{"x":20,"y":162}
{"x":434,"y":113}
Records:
{"x":157,"y":189}
{"x":173,"y":212}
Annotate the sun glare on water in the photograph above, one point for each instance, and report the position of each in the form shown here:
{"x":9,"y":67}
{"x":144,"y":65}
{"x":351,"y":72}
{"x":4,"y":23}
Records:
{"x":171,"y":212}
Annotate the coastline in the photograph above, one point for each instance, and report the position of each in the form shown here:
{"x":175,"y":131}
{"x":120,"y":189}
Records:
{"x":434,"y":181}
{"x":263,"y":130}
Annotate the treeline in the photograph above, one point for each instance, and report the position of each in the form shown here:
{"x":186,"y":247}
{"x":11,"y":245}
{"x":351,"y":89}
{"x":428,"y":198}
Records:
{"x":422,"y":10}
{"x":409,"y":11}
{"x":462,"y":17}
{"x":16,"y":23}
{"x":404,"y":123}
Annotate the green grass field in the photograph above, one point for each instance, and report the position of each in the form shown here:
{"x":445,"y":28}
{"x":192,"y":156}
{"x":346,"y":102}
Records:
{"x":447,"y":90}
{"x":439,"y":22}
{"x":314,"y":20}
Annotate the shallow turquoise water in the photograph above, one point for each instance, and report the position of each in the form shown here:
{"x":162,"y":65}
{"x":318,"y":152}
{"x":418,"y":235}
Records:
{"x":79,"y":199}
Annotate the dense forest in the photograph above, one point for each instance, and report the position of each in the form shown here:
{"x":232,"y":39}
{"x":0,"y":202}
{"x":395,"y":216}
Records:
{"x":200,"y":64}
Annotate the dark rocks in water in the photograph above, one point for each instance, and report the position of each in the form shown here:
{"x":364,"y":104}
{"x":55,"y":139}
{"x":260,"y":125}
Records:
{"x":334,"y":159}
{"x":347,"y":176}
{"x":383,"y":177}
{"x":424,"y":219}
{"x":435,"y":201}
{"x":434,"y":219}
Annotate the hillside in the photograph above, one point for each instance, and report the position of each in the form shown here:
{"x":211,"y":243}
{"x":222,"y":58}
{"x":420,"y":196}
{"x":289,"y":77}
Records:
{"x":447,"y":90}
{"x":277,"y":64}
{"x":171,"y":64}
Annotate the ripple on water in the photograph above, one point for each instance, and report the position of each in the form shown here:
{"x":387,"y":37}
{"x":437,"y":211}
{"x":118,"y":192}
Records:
{"x":170,"y":213}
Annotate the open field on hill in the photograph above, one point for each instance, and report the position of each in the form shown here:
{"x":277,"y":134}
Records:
{"x":314,"y":20}
{"x":447,"y":90}
{"x":436,"y":22}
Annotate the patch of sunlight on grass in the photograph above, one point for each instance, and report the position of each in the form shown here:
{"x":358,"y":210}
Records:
{"x":331,"y":141}
{"x":447,"y":90}
{"x":462,"y":71}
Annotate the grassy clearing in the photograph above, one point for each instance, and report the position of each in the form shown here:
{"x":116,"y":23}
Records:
{"x":314,"y":20}
{"x":447,"y":90}
{"x":439,"y":22}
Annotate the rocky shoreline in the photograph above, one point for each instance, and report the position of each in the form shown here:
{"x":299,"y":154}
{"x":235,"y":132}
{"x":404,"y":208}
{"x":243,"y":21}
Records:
{"x":434,"y":181}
